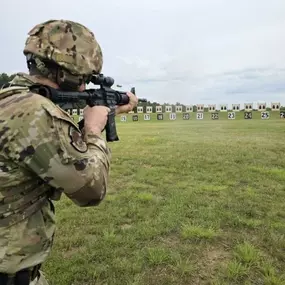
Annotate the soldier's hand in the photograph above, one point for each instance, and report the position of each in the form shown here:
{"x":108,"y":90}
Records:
{"x":95,"y":119}
{"x":130,"y":106}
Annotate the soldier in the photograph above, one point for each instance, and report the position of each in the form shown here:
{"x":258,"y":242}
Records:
{"x":43,"y":153}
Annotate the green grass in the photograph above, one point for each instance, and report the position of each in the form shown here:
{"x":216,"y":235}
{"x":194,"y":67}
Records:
{"x":189,"y":202}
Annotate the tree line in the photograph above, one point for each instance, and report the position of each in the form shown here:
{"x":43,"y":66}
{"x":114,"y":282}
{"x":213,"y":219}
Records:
{"x":5,"y":78}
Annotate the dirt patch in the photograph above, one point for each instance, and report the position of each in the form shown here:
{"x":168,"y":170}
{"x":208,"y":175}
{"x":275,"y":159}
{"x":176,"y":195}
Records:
{"x":126,"y":226}
{"x":213,"y":260}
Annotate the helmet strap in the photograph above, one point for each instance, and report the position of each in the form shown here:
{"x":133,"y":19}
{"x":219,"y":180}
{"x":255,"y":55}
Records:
{"x":37,"y":66}
{"x":67,"y":81}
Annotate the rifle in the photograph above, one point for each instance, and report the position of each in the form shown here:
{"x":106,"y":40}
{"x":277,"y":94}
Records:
{"x":103,"y":96}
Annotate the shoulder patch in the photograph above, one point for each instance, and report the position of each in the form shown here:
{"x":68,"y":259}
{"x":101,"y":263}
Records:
{"x":77,"y":140}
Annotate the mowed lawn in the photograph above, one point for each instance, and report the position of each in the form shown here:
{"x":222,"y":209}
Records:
{"x":189,"y":202}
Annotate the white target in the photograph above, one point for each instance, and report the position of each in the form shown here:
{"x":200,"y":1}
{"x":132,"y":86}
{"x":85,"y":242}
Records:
{"x":80,"y":118}
{"x":168,"y":109}
{"x":149,"y":109}
{"x":140,"y":109}
{"x":189,"y":108}
{"x":172,"y":116}
{"x":146,"y":117}
{"x":200,"y":116}
{"x":275,"y":106}
{"x":158,"y":109}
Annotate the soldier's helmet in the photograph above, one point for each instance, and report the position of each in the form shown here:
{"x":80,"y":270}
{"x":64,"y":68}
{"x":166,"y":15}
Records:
{"x":68,"y":44}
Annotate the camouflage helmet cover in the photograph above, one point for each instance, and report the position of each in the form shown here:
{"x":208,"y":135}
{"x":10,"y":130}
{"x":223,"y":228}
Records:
{"x":68,"y":44}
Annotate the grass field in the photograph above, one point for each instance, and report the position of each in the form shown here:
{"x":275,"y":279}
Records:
{"x":189,"y":202}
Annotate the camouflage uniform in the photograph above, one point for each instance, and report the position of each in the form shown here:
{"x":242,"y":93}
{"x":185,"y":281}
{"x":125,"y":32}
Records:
{"x":43,"y":153}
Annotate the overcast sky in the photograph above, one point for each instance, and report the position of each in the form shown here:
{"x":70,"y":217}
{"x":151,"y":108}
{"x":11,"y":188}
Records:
{"x":190,"y":51}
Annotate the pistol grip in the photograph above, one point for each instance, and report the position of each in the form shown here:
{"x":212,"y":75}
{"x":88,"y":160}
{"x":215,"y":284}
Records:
{"x":111,"y":131}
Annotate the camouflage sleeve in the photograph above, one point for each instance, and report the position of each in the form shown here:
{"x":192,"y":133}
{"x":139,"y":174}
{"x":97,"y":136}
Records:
{"x":54,"y":149}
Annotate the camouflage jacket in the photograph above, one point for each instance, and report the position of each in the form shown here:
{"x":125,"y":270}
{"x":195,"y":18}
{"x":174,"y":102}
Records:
{"x":42,"y":154}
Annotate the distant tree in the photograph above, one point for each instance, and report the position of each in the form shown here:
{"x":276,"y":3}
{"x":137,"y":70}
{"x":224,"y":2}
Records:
{"x":5,"y":78}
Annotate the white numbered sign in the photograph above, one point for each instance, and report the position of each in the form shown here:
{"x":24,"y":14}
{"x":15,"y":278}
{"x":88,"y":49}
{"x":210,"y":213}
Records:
{"x":248,"y":115}
{"x":231,"y":115}
{"x":186,"y":116}
{"x":123,"y":118}
{"x":172,"y":116}
{"x":160,"y":116}
{"x":200,"y":116}
{"x":146,"y":117}
{"x":264,"y":115}
{"x":215,"y":116}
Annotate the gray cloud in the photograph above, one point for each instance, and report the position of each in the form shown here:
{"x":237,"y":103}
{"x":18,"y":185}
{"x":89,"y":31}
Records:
{"x":200,"y":51}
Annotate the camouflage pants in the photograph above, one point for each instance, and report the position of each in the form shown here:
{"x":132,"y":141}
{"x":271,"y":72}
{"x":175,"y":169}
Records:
{"x":40,"y":281}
